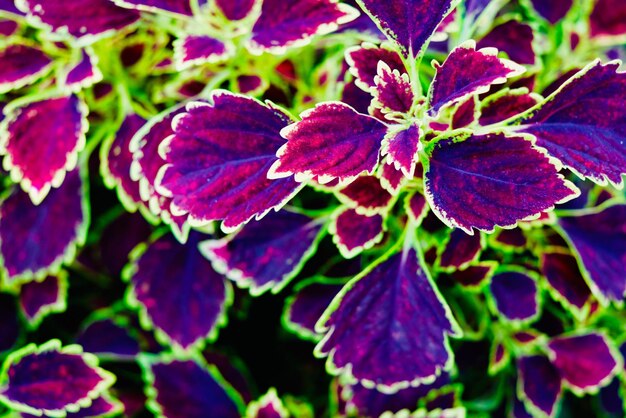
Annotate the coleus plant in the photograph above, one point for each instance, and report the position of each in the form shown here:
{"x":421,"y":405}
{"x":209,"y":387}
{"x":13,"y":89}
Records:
{"x":445,"y":219}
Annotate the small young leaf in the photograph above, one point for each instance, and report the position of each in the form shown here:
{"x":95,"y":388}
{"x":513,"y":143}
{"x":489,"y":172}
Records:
{"x":364,"y":60}
{"x":402,"y":147}
{"x":192,"y":50}
{"x":39,"y":299}
{"x":393,"y":91}
{"x":83,"y":74}
{"x":366,"y":195}
{"x":354,"y":233}
{"x":268,"y":406}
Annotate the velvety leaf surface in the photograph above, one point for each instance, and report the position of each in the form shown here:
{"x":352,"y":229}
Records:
{"x":306,"y":307}
{"x":583,"y":124}
{"x":585,"y":362}
{"x":55,"y":128}
{"x":183,"y":388}
{"x":354,"y":233}
{"x":199,"y":49}
{"x":600,"y":241}
{"x":82,"y":19}
{"x":460,"y":249}
{"x":515,"y":38}
{"x":491,"y":196}
{"x":182,"y":7}
{"x":106,"y":338}
{"x":515,"y":295}
{"x":408,"y":23}
{"x":506,"y":106}
{"x":178,"y":291}
{"x":21,"y":65}
{"x":389,"y":326}
{"x":10,"y":325}
{"x":37,"y":239}
{"x":402,"y":148}
{"x":221,"y":153}
{"x":332,"y":141}
{"x":366,"y":195}
{"x":291,"y":23}
{"x":552,"y":11}
{"x":236,"y":9}
{"x":267,"y":254}
{"x":539,"y":384}
{"x":468,"y":71}
{"x":38,"y":299}
{"x":608,"y":19}
{"x":564,"y":276}
{"x":83,"y":74}
{"x":363,"y":61}
{"x":51,"y":379}
{"x":393,"y":91}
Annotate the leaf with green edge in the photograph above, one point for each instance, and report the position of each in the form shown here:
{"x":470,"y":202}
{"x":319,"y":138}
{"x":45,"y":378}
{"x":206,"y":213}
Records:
{"x":354,"y":233}
{"x":22,"y":64}
{"x":515,"y":295}
{"x":267,"y":406}
{"x":366,"y":196}
{"x":460,"y":250}
{"x":39,"y":299}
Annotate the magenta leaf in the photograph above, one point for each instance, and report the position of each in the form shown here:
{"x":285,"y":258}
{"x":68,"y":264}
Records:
{"x":189,"y":389}
{"x":402,"y":146}
{"x":236,"y":9}
{"x":366,"y":195}
{"x":192,"y":50}
{"x":108,"y":339}
{"x":466,"y":114}
{"x":515,"y":295}
{"x":461,"y":249}
{"x":85,"y":20}
{"x":332,"y":141}
{"x":221,"y":153}
{"x":21,"y":65}
{"x":389,"y":326}
{"x":600,"y":241}
{"x":506,"y":104}
{"x":180,"y":7}
{"x":586,"y":362}
{"x":47,"y":234}
{"x":552,"y":11}
{"x":56,"y":128}
{"x":178,"y":292}
{"x":491,"y":196}
{"x":40,"y":298}
{"x":608,"y":20}
{"x":268,"y":406}
{"x":408,"y":23}
{"x":85,"y":73}
{"x":514,"y":38}
{"x":353,"y":233}
{"x":565,"y":279}
{"x":292,"y":23}
{"x":393,"y":92}
{"x":391,"y":179}
{"x":268,"y":254}
{"x":52,"y":380}
{"x":416,"y":207}
{"x":539,"y":385}
{"x":583,"y":124}
{"x":467,"y":72}
{"x":363,"y":61}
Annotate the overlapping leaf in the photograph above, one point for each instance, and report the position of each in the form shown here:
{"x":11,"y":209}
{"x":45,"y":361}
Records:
{"x":21,"y":65}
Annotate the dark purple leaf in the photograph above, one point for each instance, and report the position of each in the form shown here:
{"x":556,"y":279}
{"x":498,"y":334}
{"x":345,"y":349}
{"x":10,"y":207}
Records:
{"x":514,"y":38}
{"x":608,"y":19}
{"x":504,"y":105}
{"x":467,"y":72}
{"x":108,"y":339}
{"x":181,"y":7}
{"x":363,"y":61}
{"x":552,"y":11}
{"x":353,"y":233}
{"x":184,"y":388}
{"x":515,"y":295}
{"x":102,"y":406}
{"x":416,"y":207}
{"x":178,"y":292}
{"x":475,"y":276}
{"x":585,"y":362}
{"x":193,"y":50}
{"x":85,"y":20}
{"x":268,"y":254}
{"x":221,"y":153}
{"x":389,"y":326}
{"x":250,"y":84}
{"x":84,"y":73}
{"x":393,"y":92}
{"x":268,"y":406}
{"x":39,"y":299}
{"x":461,"y":249}
{"x":21,"y":65}
{"x":492,"y":196}
{"x":52,"y":380}
{"x":55,"y":128}
{"x":402,"y":147}
{"x":564,"y":277}
{"x":408,"y":23}
{"x":8,"y":27}
{"x":539,"y":385}
{"x":366,"y":195}
{"x":583,"y":124}
{"x":600,"y":241}
{"x":36,"y":240}
{"x":10,"y":325}
{"x":466,"y":113}
{"x":332,"y":141}
{"x":292,"y":23}
{"x":236,"y":9}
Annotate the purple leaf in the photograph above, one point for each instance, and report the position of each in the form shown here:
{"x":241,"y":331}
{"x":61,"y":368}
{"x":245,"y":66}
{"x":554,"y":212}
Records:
{"x":180,"y":7}
{"x":178,"y":292}
{"x":236,"y":9}
{"x":39,"y":299}
{"x":511,"y":239}
{"x":292,"y":23}
{"x":600,"y":241}
{"x":388,"y":327}
{"x":564,"y":277}
{"x":268,"y":406}
{"x":585,"y":362}
{"x":514,"y":38}
{"x":103,"y":406}
{"x":9,"y":6}
{"x":552,"y":11}
{"x":539,"y":385}
{"x":22,"y":65}
{"x":408,"y":23}
{"x":515,"y":295}
{"x":393,"y":92}
{"x":353,"y":233}
{"x":608,"y":19}
{"x":460,"y":250}
{"x":268,"y":254}
{"x":363,"y":61}
{"x":307,"y":305}
{"x":193,"y":50}
{"x":185,"y":388}
{"x":107,"y":339}
{"x":402,"y":147}
{"x":506,"y":104}
{"x":466,"y":114}
{"x":251,"y":84}
{"x":8,"y":27}
{"x":473,"y":277}
{"x":85,"y":20}
{"x":84,"y":73}
{"x":52,"y":380}
{"x":583,"y":124}
{"x":332,"y":141}
{"x":47,"y":234}
{"x":391,"y":179}
{"x":221,"y":153}
{"x":491,"y":196}
{"x":56,"y":129}
{"x":467,"y":72}
{"x":416,"y":207}
{"x":366,"y":195}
